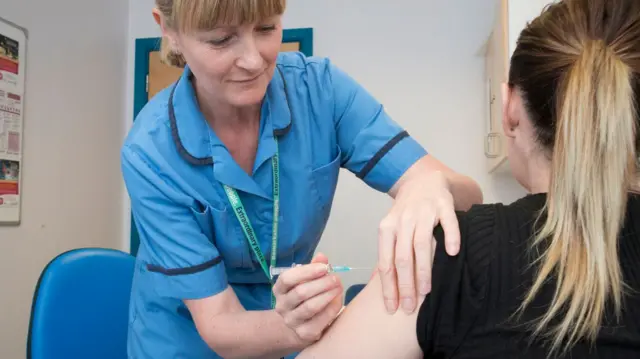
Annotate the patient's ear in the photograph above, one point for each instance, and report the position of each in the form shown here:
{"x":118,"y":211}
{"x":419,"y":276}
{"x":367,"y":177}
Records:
{"x":510,"y":119}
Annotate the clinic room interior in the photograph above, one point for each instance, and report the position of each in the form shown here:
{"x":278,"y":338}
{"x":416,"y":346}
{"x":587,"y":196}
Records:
{"x":426,"y":61}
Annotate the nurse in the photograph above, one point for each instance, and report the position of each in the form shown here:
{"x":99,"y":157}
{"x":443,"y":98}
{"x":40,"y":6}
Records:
{"x":232,"y":170}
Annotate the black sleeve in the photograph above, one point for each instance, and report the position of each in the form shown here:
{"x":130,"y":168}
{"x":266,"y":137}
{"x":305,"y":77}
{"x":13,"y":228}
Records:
{"x":458,"y":283}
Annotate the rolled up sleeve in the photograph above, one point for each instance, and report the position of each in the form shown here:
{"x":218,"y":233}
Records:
{"x":182,"y":260}
{"x":375,"y":148}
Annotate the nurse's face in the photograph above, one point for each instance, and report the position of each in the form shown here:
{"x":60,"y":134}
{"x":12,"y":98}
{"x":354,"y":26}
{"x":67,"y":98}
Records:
{"x":233,"y":64}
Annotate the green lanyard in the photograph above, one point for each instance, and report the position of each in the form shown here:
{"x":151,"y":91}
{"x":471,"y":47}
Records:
{"x":249,"y":233}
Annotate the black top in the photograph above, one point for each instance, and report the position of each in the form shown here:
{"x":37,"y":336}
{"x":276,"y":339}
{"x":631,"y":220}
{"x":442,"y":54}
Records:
{"x":474,"y":294}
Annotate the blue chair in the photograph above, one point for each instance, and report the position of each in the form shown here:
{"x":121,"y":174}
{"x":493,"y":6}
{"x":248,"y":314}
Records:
{"x":352,"y":291}
{"x":81,"y":305}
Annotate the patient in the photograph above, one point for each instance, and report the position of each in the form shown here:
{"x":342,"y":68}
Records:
{"x":556,"y":273}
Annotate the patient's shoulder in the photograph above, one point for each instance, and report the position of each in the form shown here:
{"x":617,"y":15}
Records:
{"x":491,"y":231}
{"x":484,"y":221}
{"x":492,"y":243}
{"x":476,"y":224}
{"x":479,"y":221}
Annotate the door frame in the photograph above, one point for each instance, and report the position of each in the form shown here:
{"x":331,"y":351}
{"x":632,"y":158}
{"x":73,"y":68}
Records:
{"x":144,"y":46}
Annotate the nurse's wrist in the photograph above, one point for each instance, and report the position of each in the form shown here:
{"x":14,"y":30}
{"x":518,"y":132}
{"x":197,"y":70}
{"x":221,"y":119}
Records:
{"x":294,"y":342}
{"x":290,"y":340}
{"x":465,"y":191}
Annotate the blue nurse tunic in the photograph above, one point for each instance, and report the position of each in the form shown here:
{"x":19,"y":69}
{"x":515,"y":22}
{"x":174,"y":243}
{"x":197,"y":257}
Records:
{"x":191,"y":243}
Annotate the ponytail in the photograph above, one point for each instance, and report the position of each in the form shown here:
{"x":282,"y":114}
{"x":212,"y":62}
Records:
{"x":593,"y":166}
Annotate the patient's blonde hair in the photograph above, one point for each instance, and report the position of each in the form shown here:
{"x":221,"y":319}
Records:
{"x":577,"y":67}
{"x":202,"y":15}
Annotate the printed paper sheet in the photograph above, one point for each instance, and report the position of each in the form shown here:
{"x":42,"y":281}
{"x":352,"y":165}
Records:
{"x":12,"y":78}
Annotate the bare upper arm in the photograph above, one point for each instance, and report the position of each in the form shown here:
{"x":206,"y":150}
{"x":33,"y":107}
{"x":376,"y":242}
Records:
{"x":366,"y":330}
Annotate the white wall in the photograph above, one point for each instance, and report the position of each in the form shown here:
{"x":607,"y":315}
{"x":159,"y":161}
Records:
{"x":73,"y":129}
{"x":522,"y":12}
{"x":419,"y":59}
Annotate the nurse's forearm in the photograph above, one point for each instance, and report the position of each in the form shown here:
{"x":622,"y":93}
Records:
{"x":252,"y":334}
{"x":464,"y":190}
{"x":233,"y":332}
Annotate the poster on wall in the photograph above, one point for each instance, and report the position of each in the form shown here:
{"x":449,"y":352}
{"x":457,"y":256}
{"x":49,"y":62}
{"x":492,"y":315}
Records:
{"x":12,"y":87}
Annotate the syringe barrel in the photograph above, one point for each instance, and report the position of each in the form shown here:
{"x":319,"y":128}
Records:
{"x":276,"y":271}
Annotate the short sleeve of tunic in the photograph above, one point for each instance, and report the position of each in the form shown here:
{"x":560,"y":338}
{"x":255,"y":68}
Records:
{"x":181,"y":260}
{"x":459,"y":283}
{"x":374,"y":147}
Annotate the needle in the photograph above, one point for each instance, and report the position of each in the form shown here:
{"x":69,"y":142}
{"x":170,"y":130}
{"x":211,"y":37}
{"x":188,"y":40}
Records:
{"x":338,"y":269}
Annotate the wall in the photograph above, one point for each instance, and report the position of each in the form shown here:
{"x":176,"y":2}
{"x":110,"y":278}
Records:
{"x":73,"y":129}
{"x":520,"y":13}
{"x":420,"y":60}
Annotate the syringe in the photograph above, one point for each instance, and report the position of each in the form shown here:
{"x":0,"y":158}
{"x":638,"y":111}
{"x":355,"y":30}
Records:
{"x":330,"y":269}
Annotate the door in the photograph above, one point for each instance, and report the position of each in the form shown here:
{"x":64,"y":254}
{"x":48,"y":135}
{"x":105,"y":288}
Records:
{"x":496,"y":69}
{"x":151,"y":76}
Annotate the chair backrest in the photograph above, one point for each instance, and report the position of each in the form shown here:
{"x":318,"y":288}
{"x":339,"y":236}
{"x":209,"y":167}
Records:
{"x":81,"y":305}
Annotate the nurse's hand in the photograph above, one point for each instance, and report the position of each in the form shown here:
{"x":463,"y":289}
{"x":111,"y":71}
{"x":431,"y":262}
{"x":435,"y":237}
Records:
{"x":406,"y":244}
{"x":309,"y":299}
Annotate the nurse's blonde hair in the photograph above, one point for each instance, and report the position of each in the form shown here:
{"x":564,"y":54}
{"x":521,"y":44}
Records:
{"x":202,"y":15}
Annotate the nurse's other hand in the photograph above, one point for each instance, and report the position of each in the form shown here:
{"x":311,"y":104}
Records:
{"x":406,"y":243}
{"x":309,"y":299}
